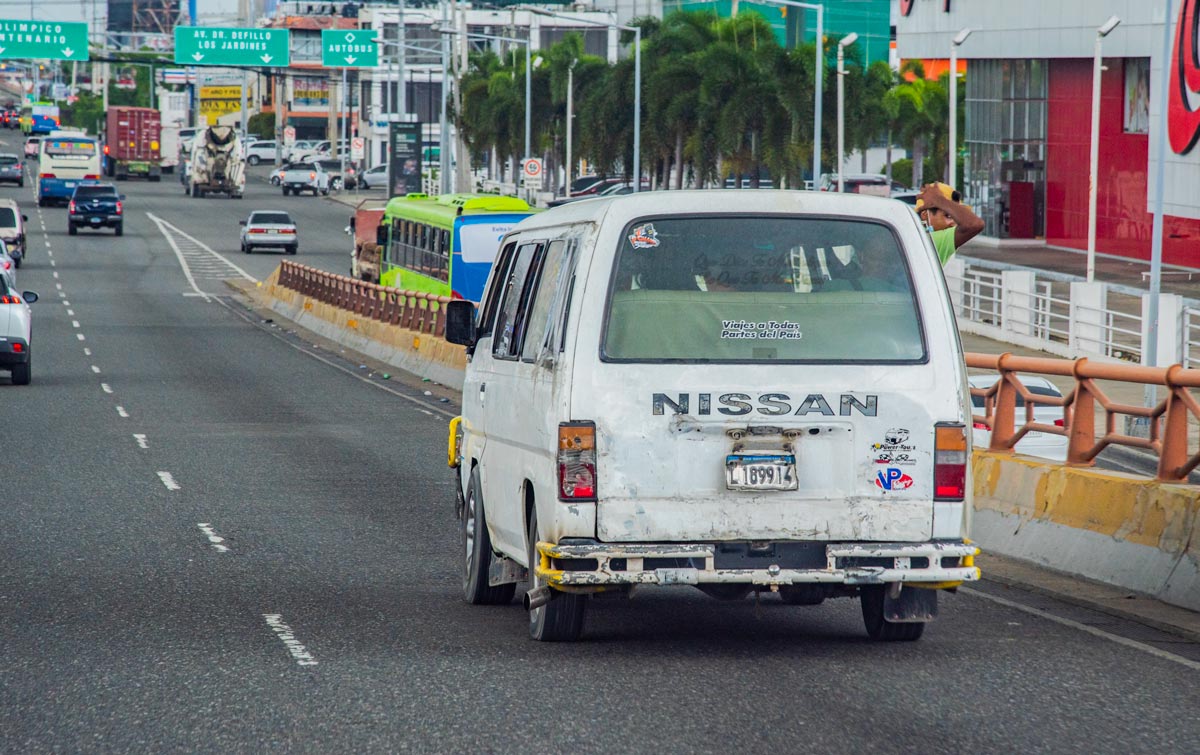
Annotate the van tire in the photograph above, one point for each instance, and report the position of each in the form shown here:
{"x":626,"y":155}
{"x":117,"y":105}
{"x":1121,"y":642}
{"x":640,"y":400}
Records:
{"x":477,"y":552}
{"x":880,"y":629}
{"x":560,"y":620}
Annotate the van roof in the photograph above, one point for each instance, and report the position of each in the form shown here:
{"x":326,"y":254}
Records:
{"x":628,"y":207}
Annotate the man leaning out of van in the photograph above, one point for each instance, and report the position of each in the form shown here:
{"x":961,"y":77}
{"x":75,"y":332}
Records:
{"x":950,"y":222}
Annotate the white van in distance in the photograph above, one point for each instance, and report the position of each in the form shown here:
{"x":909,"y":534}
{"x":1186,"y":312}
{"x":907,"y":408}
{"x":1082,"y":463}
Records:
{"x":739,"y":391}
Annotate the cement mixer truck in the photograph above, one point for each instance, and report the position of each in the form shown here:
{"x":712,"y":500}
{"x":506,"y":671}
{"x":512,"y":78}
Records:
{"x":217,"y":165}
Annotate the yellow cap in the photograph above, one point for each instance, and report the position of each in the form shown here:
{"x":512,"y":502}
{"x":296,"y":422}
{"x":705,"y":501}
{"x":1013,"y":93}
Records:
{"x":947,"y":191}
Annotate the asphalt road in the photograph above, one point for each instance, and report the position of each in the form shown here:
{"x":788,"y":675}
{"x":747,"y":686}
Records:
{"x":217,"y":537}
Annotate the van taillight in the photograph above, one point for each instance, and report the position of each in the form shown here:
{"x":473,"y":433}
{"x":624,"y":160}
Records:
{"x":577,"y":461}
{"x":118,"y":208}
{"x":92,"y":177}
{"x":71,"y":206}
{"x":950,"y":462}
{"x":46,"y":175}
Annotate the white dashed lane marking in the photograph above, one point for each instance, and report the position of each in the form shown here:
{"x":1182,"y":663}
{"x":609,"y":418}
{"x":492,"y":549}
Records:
{"x":106,"y":387}
{"x":141,"y":440}
{"x":217,"y":541}
{"x":121,"y":412}
{"x":168,"y":481}
{"x":87,"y":352}
{"x":80,"y":336}
{"x":95,"y":369}
{"x":288,"y":638}
{"x":74,"y":323}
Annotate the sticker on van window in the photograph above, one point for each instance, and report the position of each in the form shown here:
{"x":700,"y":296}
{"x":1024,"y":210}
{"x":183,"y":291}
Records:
{"x":769,"y":330}
{"x":893,"y":478}
{"x":644,"y":237}
{"x":894,"y":449}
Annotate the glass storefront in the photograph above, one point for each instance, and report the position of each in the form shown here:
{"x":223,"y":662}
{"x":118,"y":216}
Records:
{"x":1005,"y":166}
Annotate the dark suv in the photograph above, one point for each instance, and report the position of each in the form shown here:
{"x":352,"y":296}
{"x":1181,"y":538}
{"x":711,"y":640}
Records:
{"x":96,"y":206}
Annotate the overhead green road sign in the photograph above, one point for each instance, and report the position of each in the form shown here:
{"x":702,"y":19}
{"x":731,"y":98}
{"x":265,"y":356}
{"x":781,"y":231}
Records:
{"x":53,"y":40}
{"x":348,"y":49}
{"x":229,"y":46}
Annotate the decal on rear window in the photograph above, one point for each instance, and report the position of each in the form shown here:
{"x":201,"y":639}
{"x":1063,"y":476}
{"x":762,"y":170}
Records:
{"x":762,"y":331}
{"x":644,"y":237}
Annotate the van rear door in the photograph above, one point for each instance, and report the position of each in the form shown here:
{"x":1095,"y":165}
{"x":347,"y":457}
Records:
{"x":766,"y":378}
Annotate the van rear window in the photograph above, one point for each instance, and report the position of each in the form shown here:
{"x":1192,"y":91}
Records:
{"x":743,"y":289}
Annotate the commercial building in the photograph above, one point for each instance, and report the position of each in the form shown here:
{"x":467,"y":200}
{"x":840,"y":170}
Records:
{"x":1028,"y":116}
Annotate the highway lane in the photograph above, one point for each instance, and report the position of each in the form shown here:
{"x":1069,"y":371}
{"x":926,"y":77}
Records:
{"x":214,"y":541}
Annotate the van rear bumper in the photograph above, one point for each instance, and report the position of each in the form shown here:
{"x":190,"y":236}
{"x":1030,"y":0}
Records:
{"x":591,"y":567}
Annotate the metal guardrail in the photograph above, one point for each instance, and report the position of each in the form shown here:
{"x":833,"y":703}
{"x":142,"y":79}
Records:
{"x":414,"y":310}
{"x":1168,"y":420}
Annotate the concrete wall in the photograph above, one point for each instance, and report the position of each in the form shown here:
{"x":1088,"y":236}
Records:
{"x":1124,"y":530}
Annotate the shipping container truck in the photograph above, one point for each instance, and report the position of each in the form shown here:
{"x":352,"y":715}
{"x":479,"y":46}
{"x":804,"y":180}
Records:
{"x":133,"y":143}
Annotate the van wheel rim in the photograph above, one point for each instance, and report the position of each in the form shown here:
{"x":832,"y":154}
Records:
{"x":469,"y":529}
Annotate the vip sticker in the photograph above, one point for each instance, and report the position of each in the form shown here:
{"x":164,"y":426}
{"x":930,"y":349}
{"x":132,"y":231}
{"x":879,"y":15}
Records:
{"x":644,"y":237}
{"x":893,"y":478}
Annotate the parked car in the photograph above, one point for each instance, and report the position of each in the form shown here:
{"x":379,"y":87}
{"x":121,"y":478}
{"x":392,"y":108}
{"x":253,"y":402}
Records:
{"x":874,"y":184}
{"x":269,"y":229}
{"x":666,"y":404}
{"x":96,"y":205}
{"x":16,"y":332}
{"x":612,"y":190}
{"x":337,"y":179}
{"x":594,"y":187}
{"x":373,"y":177}
{"x":300,"y":147}
{"x":12,"y":229}
{"x":32,"y":145}
{"x":310,"y":177}
{"x":260,"y":152}
{"x":12,"y":170}
{"x":1045,"y":445}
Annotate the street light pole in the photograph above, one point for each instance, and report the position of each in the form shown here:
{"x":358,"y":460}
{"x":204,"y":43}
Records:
{"x":637,"y":82}
{"x":1094,"y":156}
{"x":819,"y":75}
{"x":952,"y":168}
{"x":570,"y":117}
{"x":843,"y":43}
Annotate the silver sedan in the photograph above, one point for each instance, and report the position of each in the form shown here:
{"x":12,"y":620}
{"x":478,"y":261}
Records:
{"x":269,"y":229}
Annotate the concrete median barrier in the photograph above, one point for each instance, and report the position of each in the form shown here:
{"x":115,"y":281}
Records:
{"x":422,"y":354}
{"x":1125,"y":530}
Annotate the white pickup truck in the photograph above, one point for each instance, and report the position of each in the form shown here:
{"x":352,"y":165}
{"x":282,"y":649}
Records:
{"x":309,"y":177}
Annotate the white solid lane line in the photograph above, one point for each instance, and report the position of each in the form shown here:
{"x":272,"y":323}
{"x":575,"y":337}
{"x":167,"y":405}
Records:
{"x":106,"y":387}
{"x":1194,"y":665}
{"x":141,"y":440}
{"x":168,"y":481}
{"x":121,"y":412}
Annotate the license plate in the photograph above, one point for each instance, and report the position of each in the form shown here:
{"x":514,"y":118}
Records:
{"x":760,"y":472}
{"x":70,"y":184}
{"x":97,"y":220}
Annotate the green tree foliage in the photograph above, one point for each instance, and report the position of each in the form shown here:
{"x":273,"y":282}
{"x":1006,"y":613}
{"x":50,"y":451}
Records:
{"x":720,"y":97}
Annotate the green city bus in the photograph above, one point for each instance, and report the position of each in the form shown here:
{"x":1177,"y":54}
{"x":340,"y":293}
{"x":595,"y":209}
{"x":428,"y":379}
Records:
{"x":445,"y":245}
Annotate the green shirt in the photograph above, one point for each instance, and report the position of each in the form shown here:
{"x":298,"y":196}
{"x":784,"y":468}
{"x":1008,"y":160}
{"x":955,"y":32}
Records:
{"x":943,"y":241}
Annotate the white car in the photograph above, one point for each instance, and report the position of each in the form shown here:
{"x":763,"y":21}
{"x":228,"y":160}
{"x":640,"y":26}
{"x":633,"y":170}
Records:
{"x":269,"y":229}
{"x":260,"y":152}
{"x":298,"y":148}
{"x":16,"y":329}
{"x":8,"y":265}
{"x":666,"y":389}
{"x":311,"y":177}
{"x":373,"y":177}
{"x":1045,"y":445}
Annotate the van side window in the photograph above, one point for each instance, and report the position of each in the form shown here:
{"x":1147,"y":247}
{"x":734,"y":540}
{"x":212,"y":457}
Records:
{"x":548,"y":289}
{"x":510,"y":320}
{"x":491,"y":298}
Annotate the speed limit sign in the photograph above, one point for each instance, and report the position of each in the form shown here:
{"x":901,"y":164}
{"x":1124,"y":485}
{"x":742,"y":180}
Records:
{"x":532,"y":168}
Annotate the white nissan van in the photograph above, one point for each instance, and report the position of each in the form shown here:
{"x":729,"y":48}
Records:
{"x":739,"y":391}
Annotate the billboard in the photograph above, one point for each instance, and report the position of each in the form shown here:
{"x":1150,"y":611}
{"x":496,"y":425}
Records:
{"x":404,"y":158}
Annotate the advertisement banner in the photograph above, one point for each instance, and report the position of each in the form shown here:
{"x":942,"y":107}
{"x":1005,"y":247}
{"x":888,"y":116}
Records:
{"x":310,"y":93}
{"x":404,"y":156}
